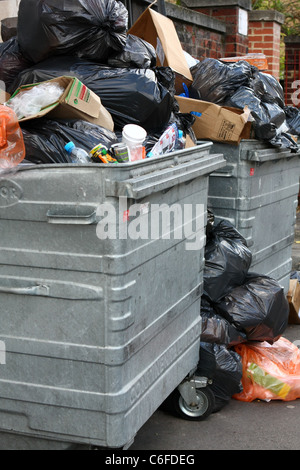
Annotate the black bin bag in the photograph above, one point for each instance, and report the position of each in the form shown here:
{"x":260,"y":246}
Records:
{"x":215,"y":82}
{"x":227,"y":261}
{"x":92,"y":29}
{"x":45,"y":139}
{"x":293,"y":119}
{"x":12,"y":62}
{"x":258,"y":307}
{"x":132,"y":96}
{"x":137,"y":53}
{"x":223,"y":366}
{"x":216,"y":329}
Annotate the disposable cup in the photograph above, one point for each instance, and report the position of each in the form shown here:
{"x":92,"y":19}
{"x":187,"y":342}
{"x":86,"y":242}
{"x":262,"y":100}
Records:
{"x":133,"y":135}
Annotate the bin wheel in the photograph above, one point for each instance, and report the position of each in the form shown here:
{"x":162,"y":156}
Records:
{"x":195,"y":411}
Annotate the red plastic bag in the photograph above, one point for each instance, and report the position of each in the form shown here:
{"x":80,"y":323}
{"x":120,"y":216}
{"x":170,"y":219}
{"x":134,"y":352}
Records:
{"x":270,"y":371}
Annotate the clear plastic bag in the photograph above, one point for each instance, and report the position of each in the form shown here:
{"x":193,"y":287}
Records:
{"x":29,"y":102}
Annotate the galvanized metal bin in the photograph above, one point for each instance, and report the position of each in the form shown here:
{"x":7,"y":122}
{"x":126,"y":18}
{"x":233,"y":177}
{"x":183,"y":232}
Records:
{"x":257,"y":191}
{"x":98,"y":331}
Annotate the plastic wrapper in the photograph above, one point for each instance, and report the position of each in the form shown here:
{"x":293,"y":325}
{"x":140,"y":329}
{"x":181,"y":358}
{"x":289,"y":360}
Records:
{"x":166,"y":143}
{"x":270,"y":372}
{"x":215,"y":81}
{"x":12,"y":62}
{"x":45,"y":139}
{"x":30,"y":102}
{"x":224,"y":368}
{"x":293,"y":119}
{"x":216,"y":329}
{"x":227,"y":261}
{"x":259,"y":308}
{"x":137,"y":53}
{"x":132,"y":96}
{"x":91,"y":29}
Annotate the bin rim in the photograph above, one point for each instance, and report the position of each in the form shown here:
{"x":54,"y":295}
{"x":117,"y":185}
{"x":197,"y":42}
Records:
{"x":175,"y":155}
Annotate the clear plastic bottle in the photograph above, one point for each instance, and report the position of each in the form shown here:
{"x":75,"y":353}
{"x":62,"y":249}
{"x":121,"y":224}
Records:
{"x":12,"y":147}
{"x":77,"y":154}
{"x":180,"y":144}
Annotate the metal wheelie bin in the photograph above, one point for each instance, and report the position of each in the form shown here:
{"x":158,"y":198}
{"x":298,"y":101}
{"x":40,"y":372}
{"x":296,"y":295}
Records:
{"x":101,"y":274}
{"x":257,"y":191}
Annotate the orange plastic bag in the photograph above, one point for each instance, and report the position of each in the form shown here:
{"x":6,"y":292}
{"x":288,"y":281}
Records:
{"x":270,"y":371}
{"x":12,"y":147}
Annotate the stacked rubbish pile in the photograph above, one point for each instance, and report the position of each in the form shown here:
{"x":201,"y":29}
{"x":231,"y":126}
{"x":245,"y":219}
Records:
{"x":88,"y":40}
{"x":240,"y":310}
{"x":242,"y":84}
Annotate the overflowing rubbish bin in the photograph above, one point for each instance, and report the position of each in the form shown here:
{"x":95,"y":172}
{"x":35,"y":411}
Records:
{"x":100,"y":301}
{"x":257,"y":191}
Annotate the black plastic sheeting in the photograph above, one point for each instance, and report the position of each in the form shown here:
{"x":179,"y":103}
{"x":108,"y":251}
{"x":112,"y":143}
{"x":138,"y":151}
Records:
{"x":214,"y":81}
{"x":45,"y":139}
{"x":217,"y":329}
{"x":227,"y":261}
{"x":240,"y":84}
{"x":223,"y":366}
{"x":12,"y":62}
{"x":93,"y":29}
{"x":293,"y":119}
{"x":137,"y":53}
{"x":259,"y":308}
{"x":132,"y":96}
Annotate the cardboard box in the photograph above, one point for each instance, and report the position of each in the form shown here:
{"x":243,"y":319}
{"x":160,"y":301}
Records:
{"x":293,"y":297}
{"x":160,"y":32}
{"x":77,"y":102}
{"x":217,"y":123}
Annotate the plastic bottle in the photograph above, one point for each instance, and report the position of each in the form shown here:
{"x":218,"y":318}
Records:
{"x":12,"y":147}
{"x":77,"y":154}
{"x":180,"y":144}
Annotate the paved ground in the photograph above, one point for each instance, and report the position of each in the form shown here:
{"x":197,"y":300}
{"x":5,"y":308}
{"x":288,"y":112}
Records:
{"x":238,"y":426}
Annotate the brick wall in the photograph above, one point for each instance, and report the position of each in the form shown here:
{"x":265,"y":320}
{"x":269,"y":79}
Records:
{"x":200,"y":42}
{"x":236,"y":44}
{"x":292,"y":71}
{"x":232,"y":13}
{"x":265,"y":37}
{"x":199,"y":35}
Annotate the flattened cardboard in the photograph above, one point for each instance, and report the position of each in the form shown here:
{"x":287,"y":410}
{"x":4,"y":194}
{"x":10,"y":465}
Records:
{"x":293,"y":297}
{"x":160,"y":32}
{"x":217,"y":123}
{"x":77,"y":102}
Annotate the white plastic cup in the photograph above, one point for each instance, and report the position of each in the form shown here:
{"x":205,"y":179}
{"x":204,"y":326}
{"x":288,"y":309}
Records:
{"x":133,"y":136}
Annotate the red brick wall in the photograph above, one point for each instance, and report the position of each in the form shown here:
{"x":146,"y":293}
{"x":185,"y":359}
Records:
{"x":264,"y":37}
{"x":236,"y":44}
{"x":292,"y":71}
{"x":200,"y":43}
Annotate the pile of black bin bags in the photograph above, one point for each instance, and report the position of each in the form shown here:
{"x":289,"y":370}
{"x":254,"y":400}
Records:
{"x":241,"y":84}
{"x":237,"y":306}
{"x":88,"y":39}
